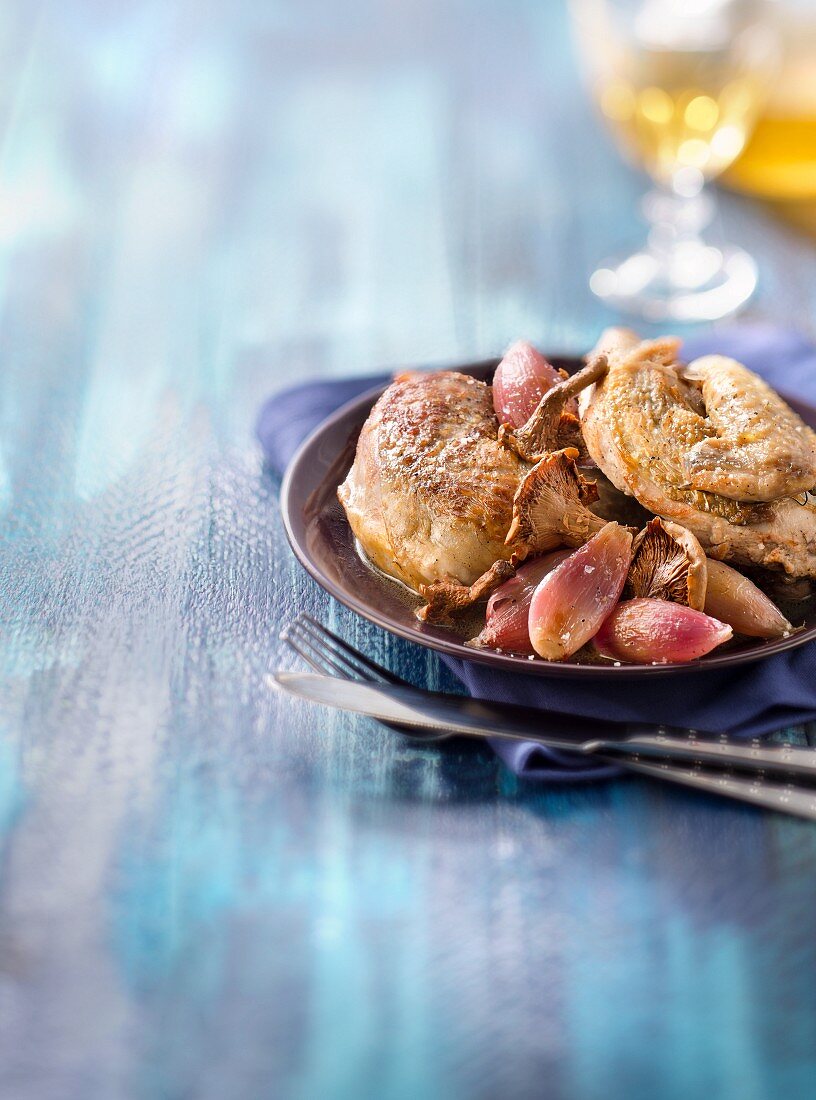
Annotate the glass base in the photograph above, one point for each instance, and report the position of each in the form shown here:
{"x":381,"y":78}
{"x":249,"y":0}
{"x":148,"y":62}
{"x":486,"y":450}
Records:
{"x":690,"y":282}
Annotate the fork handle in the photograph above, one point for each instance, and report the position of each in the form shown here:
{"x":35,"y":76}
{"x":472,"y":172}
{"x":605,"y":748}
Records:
{"x":776,"y":758}
{"x":782,"y":797}
{"x":754,"y":789}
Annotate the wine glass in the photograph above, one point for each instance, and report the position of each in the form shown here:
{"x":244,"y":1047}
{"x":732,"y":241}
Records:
{"x":779,"y":162}
{"x":680,"y":82}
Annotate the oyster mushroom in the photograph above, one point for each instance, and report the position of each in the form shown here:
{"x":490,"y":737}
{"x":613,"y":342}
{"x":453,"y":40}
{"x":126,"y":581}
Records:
{"x":550,"y":507}
{"x":668,"y":563}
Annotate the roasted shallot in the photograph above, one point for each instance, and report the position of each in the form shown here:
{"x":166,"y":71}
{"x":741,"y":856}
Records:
{"x":572,"y":601}
{"x":509,"y":607}
{"x":648,"y":631}
{"x":521,"y":380}
{"x":737,"y":601}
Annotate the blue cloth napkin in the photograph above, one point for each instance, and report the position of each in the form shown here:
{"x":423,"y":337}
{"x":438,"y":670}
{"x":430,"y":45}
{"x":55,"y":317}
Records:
{"x":750,"y":701}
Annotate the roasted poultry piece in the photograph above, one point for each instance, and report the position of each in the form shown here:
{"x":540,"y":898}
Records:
{"x":433,"y":496}
{"x":447,"y":500}
{"x":709,"y":446}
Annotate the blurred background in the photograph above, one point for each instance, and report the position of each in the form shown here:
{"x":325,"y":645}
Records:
{"x":201,"y":202}
{"x":336,"y":186}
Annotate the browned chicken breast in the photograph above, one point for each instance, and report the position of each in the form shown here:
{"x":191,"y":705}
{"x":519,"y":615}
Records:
{"x":433,"y":493}
{"x":430,"y":494}
{"x":705,"y":446}
{"x":754,"y":447}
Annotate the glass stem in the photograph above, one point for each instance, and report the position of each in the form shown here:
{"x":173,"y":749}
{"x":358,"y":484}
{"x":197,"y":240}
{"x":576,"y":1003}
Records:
{"x":676,"y":222}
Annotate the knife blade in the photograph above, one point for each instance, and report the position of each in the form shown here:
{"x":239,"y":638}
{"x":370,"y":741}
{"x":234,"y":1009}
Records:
{"x":451,"y":715}
{"x":754,"y":788}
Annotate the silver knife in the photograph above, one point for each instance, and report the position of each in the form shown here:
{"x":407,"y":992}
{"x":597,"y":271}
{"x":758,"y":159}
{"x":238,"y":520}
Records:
{"x":440,"y":716}
{"x":373,"y":701}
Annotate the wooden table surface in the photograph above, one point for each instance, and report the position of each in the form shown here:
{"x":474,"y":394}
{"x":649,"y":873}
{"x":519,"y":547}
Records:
{"x":208,"y":892}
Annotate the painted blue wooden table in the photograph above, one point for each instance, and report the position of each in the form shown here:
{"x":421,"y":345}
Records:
{"x":210,"y":892}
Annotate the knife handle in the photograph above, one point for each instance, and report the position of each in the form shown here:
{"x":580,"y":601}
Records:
{"x":782,"y":797}
{"x":754,"y":755}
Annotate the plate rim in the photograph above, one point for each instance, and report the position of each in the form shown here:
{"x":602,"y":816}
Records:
{"x":517,"y":664}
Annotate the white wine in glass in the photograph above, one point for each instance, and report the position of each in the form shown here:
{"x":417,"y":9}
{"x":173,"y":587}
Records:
{"x":779,"y":161}
{"x":680,"y":83}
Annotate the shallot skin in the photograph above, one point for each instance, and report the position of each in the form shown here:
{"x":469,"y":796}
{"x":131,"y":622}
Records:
{"x":572,"y":601}
{"x":649,"y":631}
{"x":737,"y":601}
{"x":508,"y":608}
{"x":521,"y":380}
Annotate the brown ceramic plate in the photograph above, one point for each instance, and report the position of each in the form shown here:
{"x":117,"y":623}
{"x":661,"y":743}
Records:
{"x":324,"y":544}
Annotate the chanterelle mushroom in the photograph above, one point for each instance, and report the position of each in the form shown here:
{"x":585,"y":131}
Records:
{"x":550,"y":507}
{"x":668,"y":563}
{"x":549,"y":510}
{"x":552,"y":426}
{"x":445,"y":598}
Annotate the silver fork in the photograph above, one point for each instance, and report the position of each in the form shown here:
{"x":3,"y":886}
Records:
{"x":328,"y":654}
{"x":439,"y":716}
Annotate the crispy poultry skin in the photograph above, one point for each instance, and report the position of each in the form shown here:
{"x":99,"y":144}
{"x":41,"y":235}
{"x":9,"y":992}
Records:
{"x":436,"y":500}
{"x":649,"y":425}
{"x":761,"y":450}
{"x":430,"y":494}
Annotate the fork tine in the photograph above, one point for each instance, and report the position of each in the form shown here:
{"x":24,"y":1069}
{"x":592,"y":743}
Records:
{"x":328,"y":642}
{"x":325,"y":652}
{"x":313,"y":658}
{"x":321,"y":659}
{"x":321,"y":653}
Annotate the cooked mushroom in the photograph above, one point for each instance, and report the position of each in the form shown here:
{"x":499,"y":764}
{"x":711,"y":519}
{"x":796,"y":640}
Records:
{"x":550,"y":507}
{"x":549,"y":510}
{"x":446,"y":598}
{"x":553,"y":424}
{"x":668,"y":564}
